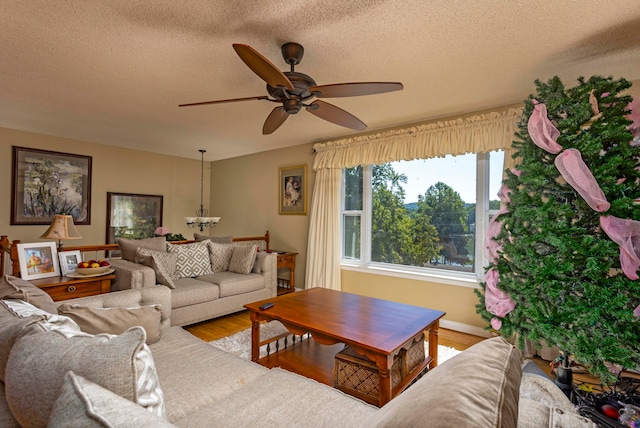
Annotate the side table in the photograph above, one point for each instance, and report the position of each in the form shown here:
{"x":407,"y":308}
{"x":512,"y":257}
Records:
{"x":286,"y":260}
{"x":64,"y":288}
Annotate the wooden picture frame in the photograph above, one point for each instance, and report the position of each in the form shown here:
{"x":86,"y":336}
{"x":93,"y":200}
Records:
{"x":69,"y":261}
{"x":292,"y":190}
{"x":46,"y":183}
{"x":132,"y":216}
{"x":38,"y":260}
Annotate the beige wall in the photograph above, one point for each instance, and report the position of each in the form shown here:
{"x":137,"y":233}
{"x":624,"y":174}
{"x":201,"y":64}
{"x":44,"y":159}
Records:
{"x":114,"y":170}
{"x":244,"y":193}
{"x":457,"y":301}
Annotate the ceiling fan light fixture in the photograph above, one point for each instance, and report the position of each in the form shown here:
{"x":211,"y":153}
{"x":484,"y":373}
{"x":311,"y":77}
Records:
{"x":292,"y":105}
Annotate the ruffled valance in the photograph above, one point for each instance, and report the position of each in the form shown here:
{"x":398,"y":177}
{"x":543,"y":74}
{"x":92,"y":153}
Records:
{"x":474,"y":134}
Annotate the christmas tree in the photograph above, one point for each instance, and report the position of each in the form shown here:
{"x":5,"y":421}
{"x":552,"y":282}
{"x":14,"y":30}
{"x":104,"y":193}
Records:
{"x":564,"y":249}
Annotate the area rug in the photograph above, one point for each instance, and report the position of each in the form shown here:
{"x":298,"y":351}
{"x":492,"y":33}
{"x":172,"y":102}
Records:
{"x":240,"y":343}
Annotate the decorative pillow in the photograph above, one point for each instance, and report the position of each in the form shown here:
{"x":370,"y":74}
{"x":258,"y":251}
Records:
{"x":243,"y":258}
{"x":128,"y":247}
{"x":115,"y":320}
{"x":39,"y":360}
{"x":219,"y":239}
{"x":12,"y":287}
{"x":11,"y":324}
{"x":481,"y":383}
{"x":84,"y":404}
{"x":163,"y":264}
{"x":193,"y":259}
{"x":220,"y":255}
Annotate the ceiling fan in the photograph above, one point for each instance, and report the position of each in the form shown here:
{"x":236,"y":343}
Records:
{"x":294,"y":90}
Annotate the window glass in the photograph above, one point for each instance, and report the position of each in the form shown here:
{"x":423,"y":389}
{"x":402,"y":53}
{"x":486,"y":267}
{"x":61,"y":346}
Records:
{"x":422,"y":212}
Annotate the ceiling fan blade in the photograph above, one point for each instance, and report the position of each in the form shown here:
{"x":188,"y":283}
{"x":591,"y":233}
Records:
{"x":335,"y":115}
{"x":232,"y":100}
{"x":274,"y":120}
{"x":354,"y":89}
{"x":262,"y":66}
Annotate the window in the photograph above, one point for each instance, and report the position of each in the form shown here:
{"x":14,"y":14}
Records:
{"x":425,"y":215}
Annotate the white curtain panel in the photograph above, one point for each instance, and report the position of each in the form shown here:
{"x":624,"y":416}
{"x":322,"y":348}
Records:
{"x":472,"y":134}
{"x":324,"y":246}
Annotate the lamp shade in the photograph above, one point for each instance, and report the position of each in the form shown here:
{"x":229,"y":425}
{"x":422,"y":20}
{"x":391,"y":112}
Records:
{"x":62,"y":227}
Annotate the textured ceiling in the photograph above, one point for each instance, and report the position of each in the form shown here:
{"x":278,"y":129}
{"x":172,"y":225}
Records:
{"x":113,"y":72}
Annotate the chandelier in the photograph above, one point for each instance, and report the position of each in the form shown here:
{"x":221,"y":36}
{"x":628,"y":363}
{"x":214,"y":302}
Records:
{"x":201,"y":220}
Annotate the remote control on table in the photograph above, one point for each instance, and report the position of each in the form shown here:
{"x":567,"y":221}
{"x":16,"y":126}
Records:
{"x":266,"y":306}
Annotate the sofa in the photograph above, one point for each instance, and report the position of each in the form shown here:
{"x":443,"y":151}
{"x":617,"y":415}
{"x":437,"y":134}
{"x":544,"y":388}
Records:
{"x":207,"y":278}
{"x":54,"y":373}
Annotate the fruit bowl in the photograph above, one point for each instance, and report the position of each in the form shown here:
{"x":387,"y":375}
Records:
{"x":93,"y":271}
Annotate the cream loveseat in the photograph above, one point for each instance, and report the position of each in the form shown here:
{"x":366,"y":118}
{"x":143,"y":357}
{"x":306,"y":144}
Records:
{"x":207,"y":279}
{"x":49,"y":375}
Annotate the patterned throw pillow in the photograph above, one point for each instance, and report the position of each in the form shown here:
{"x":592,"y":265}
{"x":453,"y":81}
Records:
{"x":220,"y":255}
{"x":163,"y":264}
{"x":243,"y":258}
{"x":193,"y":259}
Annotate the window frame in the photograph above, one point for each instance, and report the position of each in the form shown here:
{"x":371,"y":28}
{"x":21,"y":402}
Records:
{"x":451,"y":277}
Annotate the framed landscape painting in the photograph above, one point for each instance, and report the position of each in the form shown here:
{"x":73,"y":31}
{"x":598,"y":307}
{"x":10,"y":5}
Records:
{"x":46,"y":183}
{"x":292,"y":188}
{"x":38,"y":260}
{"x":132,"y":216}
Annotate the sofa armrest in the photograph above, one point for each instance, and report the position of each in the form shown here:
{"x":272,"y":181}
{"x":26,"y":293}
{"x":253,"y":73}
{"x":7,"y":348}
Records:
{"x":131,"y":275}
{"x":153,"y":295}
{"x":267,"y":265}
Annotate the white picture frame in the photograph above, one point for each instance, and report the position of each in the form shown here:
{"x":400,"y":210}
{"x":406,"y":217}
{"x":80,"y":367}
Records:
{"x":69,"y":261}
{"x":38,"y":260}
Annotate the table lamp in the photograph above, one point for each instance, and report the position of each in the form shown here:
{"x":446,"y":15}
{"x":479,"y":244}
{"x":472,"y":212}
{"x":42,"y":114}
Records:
{"x":61,"y":227}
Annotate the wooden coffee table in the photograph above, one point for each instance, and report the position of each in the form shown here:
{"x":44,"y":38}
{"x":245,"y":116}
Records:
{"x":378,"y":329}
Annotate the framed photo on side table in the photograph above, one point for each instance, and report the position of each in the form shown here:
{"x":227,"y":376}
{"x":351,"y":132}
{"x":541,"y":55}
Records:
{"x":292,"y":188}
{"x":69,"y":261}
{"x":38,"y":260}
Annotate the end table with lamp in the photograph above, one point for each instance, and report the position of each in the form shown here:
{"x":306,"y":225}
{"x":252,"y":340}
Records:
{"x":67,"y":287}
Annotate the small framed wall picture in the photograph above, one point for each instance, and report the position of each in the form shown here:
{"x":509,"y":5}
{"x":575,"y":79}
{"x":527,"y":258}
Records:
{"x":69,"y":261}
{"x":38,"y":260}
{"x":292,"y":190}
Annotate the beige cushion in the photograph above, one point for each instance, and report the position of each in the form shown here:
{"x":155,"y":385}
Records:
{"x":220,"y":255}
{"x":219,"y":239}
{"x":115,"y":320}
{"x":84,"y":404}
{"x":479,"y":386}
{"x":12,"y":287}
{"x":163,"y":264}
{"x":44,"y":354}
{"x":128,"y":247}
{"x":243,"y":258}
{"x":11,"y":324}
{"x":193,"y":259}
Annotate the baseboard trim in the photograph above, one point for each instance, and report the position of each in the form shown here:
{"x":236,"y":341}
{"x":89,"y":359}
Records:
{"x":464,"y":328}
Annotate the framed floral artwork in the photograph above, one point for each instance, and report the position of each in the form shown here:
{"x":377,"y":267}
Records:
{"x":46,"y":183}
{"x":292,"y":188}
{"x":38,"y":260}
